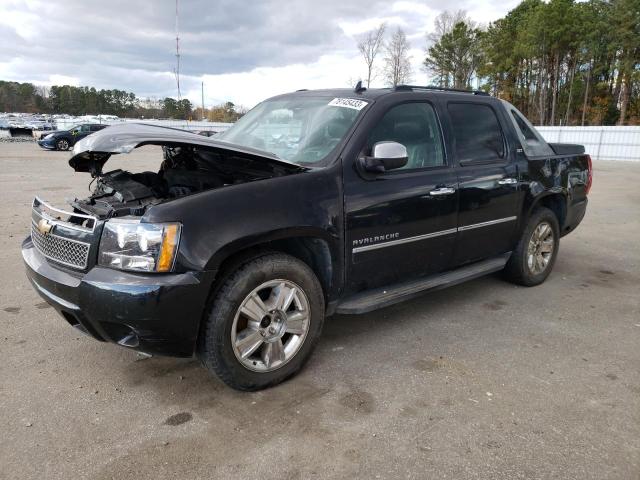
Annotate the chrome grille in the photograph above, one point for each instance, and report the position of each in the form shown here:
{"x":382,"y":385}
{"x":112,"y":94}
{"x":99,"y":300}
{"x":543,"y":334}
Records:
{"x":62,"y":250}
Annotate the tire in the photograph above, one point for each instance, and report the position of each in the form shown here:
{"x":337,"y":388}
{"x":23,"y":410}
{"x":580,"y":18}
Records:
{"x":531,"y":262}
{"x":62,"y":144}
{"x":252,"y":338}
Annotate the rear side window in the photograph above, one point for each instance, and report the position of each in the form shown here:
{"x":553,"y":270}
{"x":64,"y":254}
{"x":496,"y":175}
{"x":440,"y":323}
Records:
{"x":415,"y":126}
{"x":521,"y":125}
{"x":477,"y":133}
{"x":532,"y":142}
{"x":95,"y":128}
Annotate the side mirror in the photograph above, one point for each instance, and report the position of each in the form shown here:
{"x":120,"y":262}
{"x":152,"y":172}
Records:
{"x":385,"y":156}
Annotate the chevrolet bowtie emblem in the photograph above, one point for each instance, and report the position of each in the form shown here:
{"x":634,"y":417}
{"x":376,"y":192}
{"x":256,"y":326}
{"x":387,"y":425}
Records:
{"x":44,"y":226}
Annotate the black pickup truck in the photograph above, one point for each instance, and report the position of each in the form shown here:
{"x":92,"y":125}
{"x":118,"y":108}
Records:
{"x":313,"y":203}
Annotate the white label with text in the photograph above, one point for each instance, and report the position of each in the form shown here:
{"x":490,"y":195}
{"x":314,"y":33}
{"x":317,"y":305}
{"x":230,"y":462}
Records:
{"x":348,"y":103}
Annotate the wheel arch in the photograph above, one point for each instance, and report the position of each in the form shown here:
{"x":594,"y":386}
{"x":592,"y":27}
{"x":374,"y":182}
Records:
{"x":554,"y":201}
{"x":313,"y":247}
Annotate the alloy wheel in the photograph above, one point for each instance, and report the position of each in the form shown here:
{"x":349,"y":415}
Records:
{"x":540,"y":249}
{"x":270,"y":325}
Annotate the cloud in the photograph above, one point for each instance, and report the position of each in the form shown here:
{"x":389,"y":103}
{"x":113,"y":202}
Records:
{"x":250,"y":87}
{"x":244,"y":51}
{"x":359,"y":27}
{"x":63,"y":80}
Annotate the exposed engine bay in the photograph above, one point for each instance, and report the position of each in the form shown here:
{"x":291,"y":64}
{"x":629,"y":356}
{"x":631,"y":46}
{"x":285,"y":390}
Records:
{"x":185,"y":170}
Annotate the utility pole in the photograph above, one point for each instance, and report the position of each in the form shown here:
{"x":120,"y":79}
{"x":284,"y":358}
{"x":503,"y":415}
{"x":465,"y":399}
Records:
{"x":176,"y":70}
{"x":202,"y":84}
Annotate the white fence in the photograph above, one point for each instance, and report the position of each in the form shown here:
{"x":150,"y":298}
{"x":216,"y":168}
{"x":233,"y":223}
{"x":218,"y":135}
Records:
{"x":602,"y":143}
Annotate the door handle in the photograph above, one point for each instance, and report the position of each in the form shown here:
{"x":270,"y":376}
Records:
{"x":442,"y":191}
{"x":507,"y":181}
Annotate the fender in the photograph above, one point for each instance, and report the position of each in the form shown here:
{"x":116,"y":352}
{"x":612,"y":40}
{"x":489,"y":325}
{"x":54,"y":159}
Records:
{"x":262,"y":238}
{"x":220,"y":223}
{"x":317,"y":248}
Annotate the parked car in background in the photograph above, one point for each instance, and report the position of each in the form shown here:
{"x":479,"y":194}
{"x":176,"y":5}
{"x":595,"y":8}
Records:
{"x":65,"y":139}
{"x":313,"y":203}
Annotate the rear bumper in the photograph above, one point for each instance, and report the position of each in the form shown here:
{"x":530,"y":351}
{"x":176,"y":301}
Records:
{"x":158,"y":314}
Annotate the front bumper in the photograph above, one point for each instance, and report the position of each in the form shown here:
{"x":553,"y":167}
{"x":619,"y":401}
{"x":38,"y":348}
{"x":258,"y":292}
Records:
{"x":48,"y":144}
{"x":158,"y":314}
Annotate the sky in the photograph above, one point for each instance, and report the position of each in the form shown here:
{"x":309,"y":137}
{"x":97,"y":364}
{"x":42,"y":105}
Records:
{"x":244,"y":50}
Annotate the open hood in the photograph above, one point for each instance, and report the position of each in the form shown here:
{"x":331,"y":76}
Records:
{"x":92,"y":152}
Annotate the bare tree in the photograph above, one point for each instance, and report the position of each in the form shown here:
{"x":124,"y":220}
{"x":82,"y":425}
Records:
{"x":444,"y":23}
{"x":369,"y":45}
{"x":455,"y":57}
{"x":397,"y":69}
{"x":451,"y":54}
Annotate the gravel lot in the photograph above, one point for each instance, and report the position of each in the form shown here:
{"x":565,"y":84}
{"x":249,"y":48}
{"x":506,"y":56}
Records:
{"x":484,"y":380}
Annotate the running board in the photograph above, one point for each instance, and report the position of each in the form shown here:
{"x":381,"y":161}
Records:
{"x":383,"y":297}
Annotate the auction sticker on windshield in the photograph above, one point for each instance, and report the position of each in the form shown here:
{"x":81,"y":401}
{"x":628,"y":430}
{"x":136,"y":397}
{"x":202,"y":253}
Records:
{"x":348,"y":103}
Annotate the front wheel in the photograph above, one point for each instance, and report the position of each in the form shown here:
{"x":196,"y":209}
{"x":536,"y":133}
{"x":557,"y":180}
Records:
{"x":533,"y":259}
{"x":62,"y":144}
{"x":264,"y":322}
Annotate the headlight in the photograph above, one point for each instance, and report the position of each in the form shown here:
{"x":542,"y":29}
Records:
{"x":141,"y":247}
{"x":48,"y":136}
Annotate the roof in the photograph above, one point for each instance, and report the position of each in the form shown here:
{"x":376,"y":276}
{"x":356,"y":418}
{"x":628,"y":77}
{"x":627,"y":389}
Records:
{"x":369,"y":93}
{"x":374,"y":93}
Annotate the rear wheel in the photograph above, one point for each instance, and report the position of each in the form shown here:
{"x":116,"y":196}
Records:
{"x":263,"y":323}
{"x":536,"y":252}
{"x":62,"y":144}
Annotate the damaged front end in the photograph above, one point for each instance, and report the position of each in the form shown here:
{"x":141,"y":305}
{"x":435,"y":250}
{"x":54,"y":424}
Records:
{"x":110,"y":273}
{"x":191,"y":164}
{"x":107,"y":228}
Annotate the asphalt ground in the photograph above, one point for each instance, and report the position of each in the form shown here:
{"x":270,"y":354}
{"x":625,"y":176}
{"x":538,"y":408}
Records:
{"x":484,"y":380}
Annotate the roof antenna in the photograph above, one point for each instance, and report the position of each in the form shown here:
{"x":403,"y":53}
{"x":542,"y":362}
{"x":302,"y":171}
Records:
{"x":176,"y":71}
{"x":359,"y":88}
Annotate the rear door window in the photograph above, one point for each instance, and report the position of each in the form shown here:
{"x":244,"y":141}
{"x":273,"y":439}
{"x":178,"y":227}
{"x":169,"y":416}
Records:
{"x":477,"y":133}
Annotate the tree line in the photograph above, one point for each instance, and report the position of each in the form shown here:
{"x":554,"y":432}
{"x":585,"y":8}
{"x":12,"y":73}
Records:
{"x":560,"y":62}
{"x":29,"y":98}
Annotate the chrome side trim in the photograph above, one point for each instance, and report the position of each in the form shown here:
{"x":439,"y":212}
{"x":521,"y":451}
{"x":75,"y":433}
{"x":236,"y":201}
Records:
{"x":426,"y":236}
{"x":404,"y":240}
{"x":38,"y":202}
{"x":486,"y":224}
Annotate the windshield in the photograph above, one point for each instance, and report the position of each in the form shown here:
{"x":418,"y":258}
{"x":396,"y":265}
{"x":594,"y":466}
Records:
{"x":302,"y":130}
